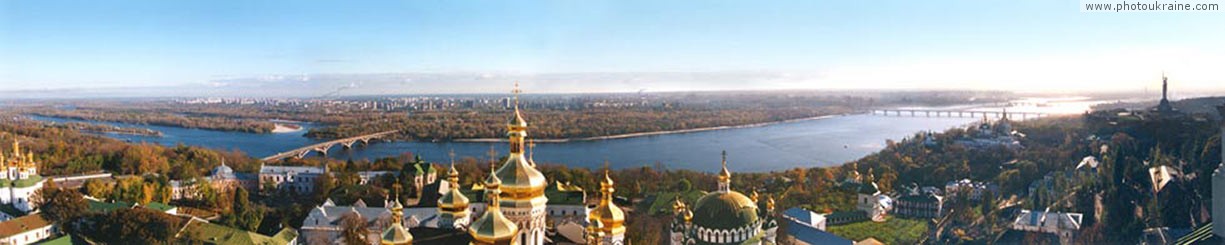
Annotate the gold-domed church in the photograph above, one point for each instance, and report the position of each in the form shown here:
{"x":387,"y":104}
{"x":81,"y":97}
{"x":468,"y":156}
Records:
{"x":19,"y":178}
{"x":606,"y":223}
{"x":521,"y":199}
{"x":518,"y":207}
{"x":522,"y":189}
{"x":724,"y":217}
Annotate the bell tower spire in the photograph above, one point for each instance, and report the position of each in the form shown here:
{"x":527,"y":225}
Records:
{"x":725,"y":176}
{"x":517,"y":127}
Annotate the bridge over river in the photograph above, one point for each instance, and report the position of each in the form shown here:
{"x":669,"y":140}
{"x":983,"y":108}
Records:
{"x":956,"y":113}
{"x":322,"y":148}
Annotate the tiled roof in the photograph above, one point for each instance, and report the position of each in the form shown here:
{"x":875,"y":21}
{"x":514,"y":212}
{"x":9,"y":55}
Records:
{"x":22,"y":224}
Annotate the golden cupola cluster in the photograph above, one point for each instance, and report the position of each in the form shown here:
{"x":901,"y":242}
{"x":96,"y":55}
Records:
{"x":493,"y":227}
{"x":610,"y":216}
{"x":18,"y":159}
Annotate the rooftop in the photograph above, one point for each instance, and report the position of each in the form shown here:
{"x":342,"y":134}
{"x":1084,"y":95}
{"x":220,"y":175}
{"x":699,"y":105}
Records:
{"x":290,"y":169}
{"x":202,"y":231}
{"x":22,"y":224}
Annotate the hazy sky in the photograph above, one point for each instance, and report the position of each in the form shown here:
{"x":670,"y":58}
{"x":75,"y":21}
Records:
{"x":976,"y":44}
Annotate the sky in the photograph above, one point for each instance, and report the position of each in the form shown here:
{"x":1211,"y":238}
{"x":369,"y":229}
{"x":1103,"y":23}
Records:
{"x":1037,"y":45}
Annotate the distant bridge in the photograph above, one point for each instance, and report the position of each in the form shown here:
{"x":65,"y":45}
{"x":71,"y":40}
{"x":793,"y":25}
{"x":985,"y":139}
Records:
{"x":955,"y":113}
{"x":322,"y":148}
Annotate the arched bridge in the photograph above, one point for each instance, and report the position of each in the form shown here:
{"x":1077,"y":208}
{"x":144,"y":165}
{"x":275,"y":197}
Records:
{"x":956,"y":113}
{"x":322,"y":148}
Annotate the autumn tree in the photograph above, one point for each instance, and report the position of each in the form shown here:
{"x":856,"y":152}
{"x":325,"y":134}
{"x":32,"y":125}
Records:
{"x":353,"y":229}
{"x":60,"y":206}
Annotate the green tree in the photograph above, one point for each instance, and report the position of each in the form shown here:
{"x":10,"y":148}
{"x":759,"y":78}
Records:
{"x":323,"y":187}
{"x":243,"y":215}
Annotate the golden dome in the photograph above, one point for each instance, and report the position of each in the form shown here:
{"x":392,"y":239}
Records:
{"x":611,"y":216}
{"x":520,"y":180}
{"x":396,"y":234}
{"x":493,"y":227}
{"x":770,"y":203}
{"x":453,"y":200}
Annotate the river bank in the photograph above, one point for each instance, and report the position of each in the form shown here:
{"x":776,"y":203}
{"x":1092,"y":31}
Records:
{"x":280,"y":128}
{"x":632,"y":135}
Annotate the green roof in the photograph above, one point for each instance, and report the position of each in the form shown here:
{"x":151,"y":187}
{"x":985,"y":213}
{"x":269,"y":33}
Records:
{"x":158,"y":206}
{"x":106,"y":207}
{"x":209,"y":233}
{"x":724,"y":210}
{"x":563,"y":197}
{"x":28,"y":182}
{"x":662,"y":203}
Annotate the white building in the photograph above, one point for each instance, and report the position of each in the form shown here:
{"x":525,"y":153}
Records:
{"x":26,"y":230}
{"x":19,"y":179}
{"x":1064,"y":225}
{"x":299,"y":179}
{"x":870,"y":200}
{"x":322,"y":225}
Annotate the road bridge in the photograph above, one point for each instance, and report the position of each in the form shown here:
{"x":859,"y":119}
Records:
{"x":322,"y":148}
{"x":956,"y":113}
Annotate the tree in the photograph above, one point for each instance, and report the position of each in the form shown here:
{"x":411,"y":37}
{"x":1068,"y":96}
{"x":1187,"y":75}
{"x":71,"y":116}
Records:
{"x":353,"y":229}
{"x":61,"y":206}
{"x":132,"y":226}
{"x":323,"y":186}
{"x":99,"y":189}
{"x":244,"y":215}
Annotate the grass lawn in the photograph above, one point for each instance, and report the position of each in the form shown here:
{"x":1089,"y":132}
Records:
{"x":892,"y":231}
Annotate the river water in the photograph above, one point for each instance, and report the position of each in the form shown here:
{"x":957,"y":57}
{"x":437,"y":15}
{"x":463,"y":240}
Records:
{"x":818,"y":142}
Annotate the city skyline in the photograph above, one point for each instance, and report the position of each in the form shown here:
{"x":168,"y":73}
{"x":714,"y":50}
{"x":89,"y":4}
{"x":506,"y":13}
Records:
{"x":1042,"y":46}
